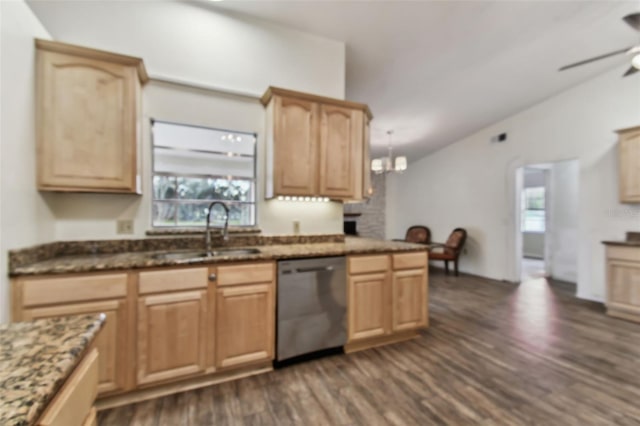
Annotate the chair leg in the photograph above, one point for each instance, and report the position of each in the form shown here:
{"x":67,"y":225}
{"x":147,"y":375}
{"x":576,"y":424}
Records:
{"x":446,"y":267}
{"x":455,"y":265}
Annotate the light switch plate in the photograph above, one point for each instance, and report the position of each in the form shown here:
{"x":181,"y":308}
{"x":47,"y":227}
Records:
{"x":125,"y":226}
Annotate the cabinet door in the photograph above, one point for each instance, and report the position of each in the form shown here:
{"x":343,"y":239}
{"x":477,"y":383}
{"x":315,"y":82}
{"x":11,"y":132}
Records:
{"x":623,"y":290}
{"x":111,"y":341}
{"x":87,"y":124}
{"x":172,"y":335}
{"x":630,"y":166}
{"x":245,"y":324}
{"x":340,"y":151}
{"x":409,"y":299}
{"x":295,"y":135}
{"x":368,"y":306}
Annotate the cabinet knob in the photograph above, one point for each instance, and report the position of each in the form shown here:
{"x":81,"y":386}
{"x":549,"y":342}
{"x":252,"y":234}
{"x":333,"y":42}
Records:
{"x":212,"y":277}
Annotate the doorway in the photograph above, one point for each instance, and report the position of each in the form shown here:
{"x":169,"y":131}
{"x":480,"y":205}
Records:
{"x":547,"y":221}
{"x":533,"y":213}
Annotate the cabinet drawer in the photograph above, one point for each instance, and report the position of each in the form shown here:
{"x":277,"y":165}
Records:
{"x":415,"y":260}
{"x":172,"y":280}
{"x":253,"y":273}
{"x":49,"y":291}
{"x":624,"y":253}
{"x":367,"y":264}
{"x":73,"y":404}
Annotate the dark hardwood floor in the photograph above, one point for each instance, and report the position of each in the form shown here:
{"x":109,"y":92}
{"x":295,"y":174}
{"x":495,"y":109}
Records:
{"x":495,"y":353}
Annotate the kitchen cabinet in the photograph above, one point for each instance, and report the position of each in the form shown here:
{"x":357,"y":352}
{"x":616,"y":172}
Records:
{"x":388,"y":298}
{"x":629,"y":164}
{"x":36,"y":298}
{"x":88,"y":119}
{"x":341,"y":151}
{"x":316,"y":146}
{"x":245,"y":314}
{"x":294,"y":162}
{"x":173,"y":324}
{"x":73,"y":404}
{"x":623,"y":282}
{"x":368,"y":310}
{"x":409,"y":299}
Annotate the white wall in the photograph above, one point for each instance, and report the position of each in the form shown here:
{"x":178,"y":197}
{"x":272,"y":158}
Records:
{"x":471,"y":183}
{"x":198,"y":43}
{"x":564,"y":205}
{"x":195,"y":44}
{"x":24,"y":218}
{"x":85,"y":216}
{"x":177,"y":40}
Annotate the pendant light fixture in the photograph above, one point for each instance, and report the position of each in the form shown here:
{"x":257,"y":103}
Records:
{"x":389,"y":164}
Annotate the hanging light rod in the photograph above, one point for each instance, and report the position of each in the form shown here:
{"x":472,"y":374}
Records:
{"x":388,"y":164}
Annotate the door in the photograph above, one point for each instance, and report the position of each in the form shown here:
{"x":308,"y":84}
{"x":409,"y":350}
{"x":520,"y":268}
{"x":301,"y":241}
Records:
{"x":630,"y":166}
{"x":409,"y":299}
{"x":341,"y":133}
{"x":295,"y":134}
{"x":111,"y":341}
{"x":172,"y":335}
{"x":368,"y":306}
{"x":87,"y":131}
{"x":245,"y":324}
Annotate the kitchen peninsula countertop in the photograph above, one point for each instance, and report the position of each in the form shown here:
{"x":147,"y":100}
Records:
{"x":35,"y":360}
{"x":146,"y":259}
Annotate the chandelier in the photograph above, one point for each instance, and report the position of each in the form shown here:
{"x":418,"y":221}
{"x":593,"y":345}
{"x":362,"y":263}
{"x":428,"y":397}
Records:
{"x":389,"y":164}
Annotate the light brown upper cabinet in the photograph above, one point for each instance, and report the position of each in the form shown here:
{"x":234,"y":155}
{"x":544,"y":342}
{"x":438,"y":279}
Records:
{"x":88,"y":111}
{"x":629,"y":166}
{"x":316,"y":146}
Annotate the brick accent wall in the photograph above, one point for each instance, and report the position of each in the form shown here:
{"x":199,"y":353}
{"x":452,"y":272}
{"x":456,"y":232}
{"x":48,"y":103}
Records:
{"x":371,"y":222}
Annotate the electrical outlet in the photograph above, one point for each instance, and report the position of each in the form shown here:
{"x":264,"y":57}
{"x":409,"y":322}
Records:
{"x":125,"y":226}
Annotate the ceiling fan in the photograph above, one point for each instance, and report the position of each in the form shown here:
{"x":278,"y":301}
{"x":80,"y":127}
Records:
{"x":634,"y":51}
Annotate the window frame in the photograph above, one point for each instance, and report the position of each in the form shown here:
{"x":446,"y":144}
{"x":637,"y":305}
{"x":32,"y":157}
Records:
{"x":177,"y":202}
{"x":525,"y":210}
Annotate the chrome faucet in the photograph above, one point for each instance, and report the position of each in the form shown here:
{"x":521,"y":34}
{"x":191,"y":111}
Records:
{"x":225,"y":232}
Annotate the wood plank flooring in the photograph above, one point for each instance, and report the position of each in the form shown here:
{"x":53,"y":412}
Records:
{"x":495,"y":354}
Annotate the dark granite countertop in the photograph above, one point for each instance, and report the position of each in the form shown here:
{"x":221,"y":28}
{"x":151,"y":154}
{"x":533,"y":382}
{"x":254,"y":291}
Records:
{"x":135,"y":260}
{"x":35,"y":360}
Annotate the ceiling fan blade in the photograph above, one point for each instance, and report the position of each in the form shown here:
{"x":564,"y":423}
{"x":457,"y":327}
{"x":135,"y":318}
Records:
{"x":595,"y":58}
{"x":633,"y":20}
{"x":630,"y":71}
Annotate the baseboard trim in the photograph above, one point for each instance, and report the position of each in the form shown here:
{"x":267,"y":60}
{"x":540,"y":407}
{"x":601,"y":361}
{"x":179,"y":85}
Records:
{"x":181,"y":386}
{"x":361,"y":345}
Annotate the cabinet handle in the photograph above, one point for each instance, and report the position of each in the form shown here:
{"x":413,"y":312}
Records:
{"x":212,"y":277}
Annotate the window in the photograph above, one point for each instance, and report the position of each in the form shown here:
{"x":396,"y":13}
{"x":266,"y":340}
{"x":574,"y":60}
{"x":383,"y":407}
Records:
{"x":533,"y":202}
{"x":192,"y":166}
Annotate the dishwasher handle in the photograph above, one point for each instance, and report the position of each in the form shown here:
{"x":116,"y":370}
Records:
{"x":317,"y":269}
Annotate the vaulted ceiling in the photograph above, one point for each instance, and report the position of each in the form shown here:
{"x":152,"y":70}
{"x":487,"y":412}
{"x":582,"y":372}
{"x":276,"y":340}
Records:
{"x":437,"y":71}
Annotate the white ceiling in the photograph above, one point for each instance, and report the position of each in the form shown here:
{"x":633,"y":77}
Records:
{"x":438,"y":71}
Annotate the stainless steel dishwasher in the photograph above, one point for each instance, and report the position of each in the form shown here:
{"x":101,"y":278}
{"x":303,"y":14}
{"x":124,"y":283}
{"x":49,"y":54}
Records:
{"x":312,"y":306}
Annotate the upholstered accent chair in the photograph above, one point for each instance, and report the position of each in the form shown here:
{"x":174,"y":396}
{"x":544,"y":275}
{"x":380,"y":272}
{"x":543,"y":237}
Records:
{"x":417,"y":234}
{"x":449,"y":251}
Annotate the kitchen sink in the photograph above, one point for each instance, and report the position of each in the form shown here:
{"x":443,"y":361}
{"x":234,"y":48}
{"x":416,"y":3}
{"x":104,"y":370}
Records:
{"x":182,"y":255}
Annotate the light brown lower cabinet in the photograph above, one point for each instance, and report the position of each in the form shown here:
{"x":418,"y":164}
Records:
{"x":368,"y":310}
{"x":623,"y":282}
{"x":245,"y":314}
{"x":409,"y":299}
{"x":388,"y":297}
{"x":173,"y":324}
{"x":73,"y":404}
{"x":110,"y":343}
{"x":80,"y":294}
